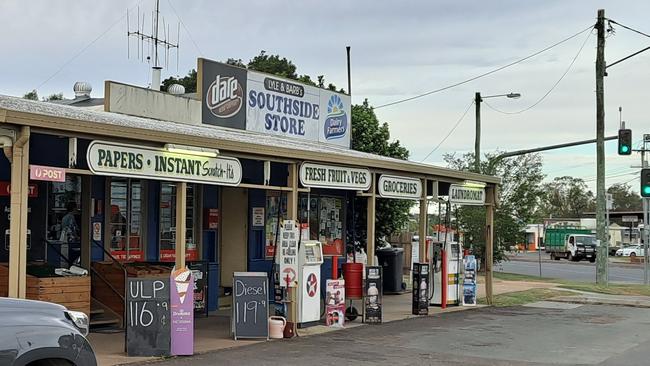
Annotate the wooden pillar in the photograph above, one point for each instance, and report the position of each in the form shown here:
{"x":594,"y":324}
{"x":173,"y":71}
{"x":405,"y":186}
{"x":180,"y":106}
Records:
{"x":18,"y":220}
{"x":490,"y":195}
{"x":181,"y":224}
{"x":86,"y":227}
{"x":422,"y":232}
{"x":370,"y":219}
{"x":292,"y":197}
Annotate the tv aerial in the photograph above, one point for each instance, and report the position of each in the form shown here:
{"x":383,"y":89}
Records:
{"x":149,"y":46}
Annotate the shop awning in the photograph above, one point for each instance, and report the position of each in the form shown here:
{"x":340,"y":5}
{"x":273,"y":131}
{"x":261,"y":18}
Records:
{"x":107,"y":125}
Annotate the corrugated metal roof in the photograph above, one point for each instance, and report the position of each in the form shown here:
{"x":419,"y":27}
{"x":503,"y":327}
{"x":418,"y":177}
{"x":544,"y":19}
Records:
{"x":49,"y":113}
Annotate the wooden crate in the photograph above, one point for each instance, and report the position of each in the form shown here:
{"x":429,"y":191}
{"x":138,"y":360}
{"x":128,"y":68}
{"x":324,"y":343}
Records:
{"x":71,"y":292}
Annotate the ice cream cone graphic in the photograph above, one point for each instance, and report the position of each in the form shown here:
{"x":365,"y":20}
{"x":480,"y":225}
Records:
{"x":182,"y":280}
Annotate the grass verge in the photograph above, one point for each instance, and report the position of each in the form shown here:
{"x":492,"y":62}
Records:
{"x":632,"y":290}
{"x":525,"y":297}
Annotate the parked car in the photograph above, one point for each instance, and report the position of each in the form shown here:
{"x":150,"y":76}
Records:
{"x":37,"y":333}
{"x":631,"y":251}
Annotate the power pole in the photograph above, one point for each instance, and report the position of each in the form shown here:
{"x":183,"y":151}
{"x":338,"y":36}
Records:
{"x":601,"y":235}
{"x":477,"y":137}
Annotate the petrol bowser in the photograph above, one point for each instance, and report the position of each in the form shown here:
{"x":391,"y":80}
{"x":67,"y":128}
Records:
{"x":310,"y":258}
{"x":453,"y":259}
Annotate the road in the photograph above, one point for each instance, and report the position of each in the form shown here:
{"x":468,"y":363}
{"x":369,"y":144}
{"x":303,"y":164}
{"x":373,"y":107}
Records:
{"x":551,"y":333}
{"x":581,"y":271}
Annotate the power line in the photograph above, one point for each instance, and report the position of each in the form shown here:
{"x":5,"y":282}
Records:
{"x":185,"y":27}
{"x":629,"y":28}
{"x":450,"y":132}
{"x":552,"y":87}
{"x":486,"y":73}
{"x":87,"y":47}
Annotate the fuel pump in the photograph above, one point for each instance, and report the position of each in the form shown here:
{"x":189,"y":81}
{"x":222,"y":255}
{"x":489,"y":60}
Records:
{"x":310,"y":258}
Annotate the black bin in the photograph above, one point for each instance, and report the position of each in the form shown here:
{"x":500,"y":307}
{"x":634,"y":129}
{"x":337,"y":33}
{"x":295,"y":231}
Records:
{"x":391,"y":260}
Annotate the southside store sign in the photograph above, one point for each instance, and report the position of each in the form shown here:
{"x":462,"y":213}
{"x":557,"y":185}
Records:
{"x":466,"y":195}
{"x":332,"y":176}
{"x":392,"y":186}
{"x":249,"y":100}
{"x":113,"y":159}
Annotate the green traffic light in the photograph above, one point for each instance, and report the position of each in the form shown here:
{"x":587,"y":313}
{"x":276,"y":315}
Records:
{"x":625,"y":148}
{"x":646,"y":190}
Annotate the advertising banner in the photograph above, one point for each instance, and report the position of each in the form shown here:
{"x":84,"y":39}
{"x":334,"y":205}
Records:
{"x":420,"y":303}
{"x":289,"y":254}
{"x":114,"y":159}
{"x":182,"y":312}
{"x":405,"y":188}
{"x":469,"y":281}
{"x":333,"y":176}
{"x":373,"y":299}
{"x":335,"y":303}
{"x":244,"y":99}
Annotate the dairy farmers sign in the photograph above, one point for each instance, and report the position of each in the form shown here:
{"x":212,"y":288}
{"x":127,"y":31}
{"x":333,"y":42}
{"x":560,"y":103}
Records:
{"x":466,"y":195}
{"x":392,"y":186}
{"x":333,"y":176}
{"x":106,"y":158}
{"x":249,"y":100}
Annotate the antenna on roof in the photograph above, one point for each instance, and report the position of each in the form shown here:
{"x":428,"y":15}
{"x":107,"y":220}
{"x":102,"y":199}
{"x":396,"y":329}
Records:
{"x":157,"y":39}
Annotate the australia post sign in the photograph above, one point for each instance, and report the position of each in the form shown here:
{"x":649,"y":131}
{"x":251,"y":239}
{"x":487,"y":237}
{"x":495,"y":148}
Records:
{"x":249,"y":100}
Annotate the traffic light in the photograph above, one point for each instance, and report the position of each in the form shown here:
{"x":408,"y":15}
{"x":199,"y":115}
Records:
{"x":645,"y":182}
{"x":624,"y":142}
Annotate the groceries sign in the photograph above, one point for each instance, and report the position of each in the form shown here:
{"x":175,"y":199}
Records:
{"x":254,"y":101}
{"x":466,"y":195}
{"x":332,"y":176}
{"x":392,"y":186}
{"x":106,"y":158}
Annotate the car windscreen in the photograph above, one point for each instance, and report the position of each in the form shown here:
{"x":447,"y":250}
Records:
{"x":586,"y":240}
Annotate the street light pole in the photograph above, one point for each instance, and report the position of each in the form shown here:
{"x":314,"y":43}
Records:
{"x":477,"y":138}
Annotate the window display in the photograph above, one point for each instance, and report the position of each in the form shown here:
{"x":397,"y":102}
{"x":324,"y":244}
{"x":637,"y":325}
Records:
{"x":325,"y":216}
{"x":168,"y":223}
{"x":276,"y":207}
{"x":64,"y":201}
{"x":125,"y":219}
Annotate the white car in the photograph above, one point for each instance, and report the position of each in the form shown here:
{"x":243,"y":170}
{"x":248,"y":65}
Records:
{"x":631,"y":251}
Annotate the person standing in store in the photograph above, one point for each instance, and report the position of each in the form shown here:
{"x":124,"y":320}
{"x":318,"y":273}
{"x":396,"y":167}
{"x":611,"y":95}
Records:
{"x":69,"y":227}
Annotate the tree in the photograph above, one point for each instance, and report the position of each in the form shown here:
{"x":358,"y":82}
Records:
{"x":518,"y":200}
{"x":32,"y":95}
{"x":567,"y":197}
{"x":624,"y":198}
{"x":371,"y":136}
{"x":56,"y":96}
{"x":188,"y":81}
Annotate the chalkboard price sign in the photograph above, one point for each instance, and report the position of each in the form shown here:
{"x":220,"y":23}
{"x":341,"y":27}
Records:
{"x":250,"y":305}
{"x":147,"y":317}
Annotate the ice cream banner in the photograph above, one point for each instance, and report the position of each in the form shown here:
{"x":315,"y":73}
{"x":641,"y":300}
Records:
{"x":335,"y":303}
{"x":182,"y":311}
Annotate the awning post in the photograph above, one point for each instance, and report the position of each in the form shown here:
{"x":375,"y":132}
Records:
{"x":490,"y":200}
{"x":422,"y":232}
{"x":18,"y":219}
{"x":181,"y":223}
{"x":370,"y":219}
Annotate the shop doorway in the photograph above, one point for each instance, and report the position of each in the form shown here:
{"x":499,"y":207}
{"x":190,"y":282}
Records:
{"x":234,"y":238}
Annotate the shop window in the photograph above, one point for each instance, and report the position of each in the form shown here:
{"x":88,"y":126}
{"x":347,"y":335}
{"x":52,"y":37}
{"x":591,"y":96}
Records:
{"x":64,"y":216}
{"x":276,"y":208}
{"x":125,"y":219}
{"x":324,"y":216}
{"x":168,"y":223}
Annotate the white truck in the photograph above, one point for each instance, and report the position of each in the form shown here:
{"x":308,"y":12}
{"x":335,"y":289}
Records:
{"x":573,"y":244}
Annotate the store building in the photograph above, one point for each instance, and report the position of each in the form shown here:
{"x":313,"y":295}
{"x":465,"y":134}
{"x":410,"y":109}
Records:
{"x":114,"y":188}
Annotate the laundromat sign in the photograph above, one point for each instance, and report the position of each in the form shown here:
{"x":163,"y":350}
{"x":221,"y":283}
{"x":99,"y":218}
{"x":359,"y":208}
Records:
{"x":464,"y":195}
{"x":333,"y":176}
{"x":254,"y":101}
{"x":405,"y":188}
{"x":105,"y":158}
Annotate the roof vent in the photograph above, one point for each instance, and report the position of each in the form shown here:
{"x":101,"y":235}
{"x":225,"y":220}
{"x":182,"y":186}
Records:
{"x":176,"y":89}
{"x":82,"y":89}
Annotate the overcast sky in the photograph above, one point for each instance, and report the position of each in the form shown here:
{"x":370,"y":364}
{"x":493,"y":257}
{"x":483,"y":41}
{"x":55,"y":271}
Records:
{"x":398,"y":51}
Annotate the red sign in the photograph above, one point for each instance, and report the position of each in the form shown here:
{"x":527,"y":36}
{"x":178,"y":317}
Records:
{"x":334,"y":247}
{"x":47,"y":173}
{"x":5,"y":189}
{"x":270,"y":250}
{"x":289,"y":275}
{"x":133,"y":255}
{"x":169,"y":255}
{"x":312,"y":285}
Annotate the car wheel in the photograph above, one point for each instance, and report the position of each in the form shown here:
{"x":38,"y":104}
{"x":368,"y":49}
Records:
{"x":52,"y":362}
{"x":592,"y":260}
{"x":632,"y":254}
{"x":569,"y":257}
{"x":552,"y":256}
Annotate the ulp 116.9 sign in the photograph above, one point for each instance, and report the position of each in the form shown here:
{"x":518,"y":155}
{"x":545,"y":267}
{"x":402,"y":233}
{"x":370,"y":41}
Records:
{"x":254,"y":101}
